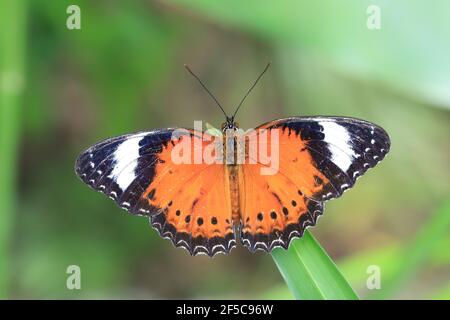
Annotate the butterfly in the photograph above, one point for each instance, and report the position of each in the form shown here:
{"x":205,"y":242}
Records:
{"x":204,"y":206}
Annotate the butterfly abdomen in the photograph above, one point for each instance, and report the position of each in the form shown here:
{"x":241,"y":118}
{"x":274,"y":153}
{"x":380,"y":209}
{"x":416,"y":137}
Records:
{"x":232,"y":171}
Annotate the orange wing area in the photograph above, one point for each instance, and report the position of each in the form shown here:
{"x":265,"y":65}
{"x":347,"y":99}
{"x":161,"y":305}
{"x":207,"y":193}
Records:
{"x":277,"y":207}
{"x":295,"y":162}
{"x":192,"y":200}
{"x":274,"y":210}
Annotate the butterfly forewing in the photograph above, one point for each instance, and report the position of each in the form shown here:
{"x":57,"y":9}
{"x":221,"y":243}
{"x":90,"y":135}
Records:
{"x":337,"y":151}
{"x":121,"y":167}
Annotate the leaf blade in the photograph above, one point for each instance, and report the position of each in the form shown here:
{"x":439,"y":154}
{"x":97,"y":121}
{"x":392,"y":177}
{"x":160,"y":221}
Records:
{"x":310,"y":273}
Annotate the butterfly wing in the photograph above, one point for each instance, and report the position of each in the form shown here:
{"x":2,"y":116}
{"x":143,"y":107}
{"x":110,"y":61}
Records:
{"x":188,"y":203}
{"x":121,"y":167}
{"x":319,"y":158}
{"x":273,"y":210}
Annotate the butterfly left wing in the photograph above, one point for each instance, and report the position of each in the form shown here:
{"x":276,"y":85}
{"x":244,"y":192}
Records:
{"x":187,"y":203}
{"x":319,"y":158}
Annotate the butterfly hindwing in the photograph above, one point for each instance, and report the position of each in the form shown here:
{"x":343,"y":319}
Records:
{"x":274,"y":210}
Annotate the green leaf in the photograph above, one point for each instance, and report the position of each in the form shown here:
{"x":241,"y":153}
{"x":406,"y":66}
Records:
{"x":310,"y":273}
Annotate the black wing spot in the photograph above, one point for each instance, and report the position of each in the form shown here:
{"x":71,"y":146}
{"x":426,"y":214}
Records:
{"x":170,"y":203}
{"x":300,"y":193}
{"x":187,"y":219}
{"x":273,"y":215}
{"x":214,"y":220}
{"x":260,"y":216}
{"x":294,"y":203}
{"x":200,"y":221}
{"x":151,"y":194}
{"x":178,"y":212}
{"x":318,"y":181}
{"x":285,"y":211}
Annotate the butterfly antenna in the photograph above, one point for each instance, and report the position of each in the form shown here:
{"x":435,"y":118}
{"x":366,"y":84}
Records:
{"x":251,"y":88}
{"x":206,"y":89}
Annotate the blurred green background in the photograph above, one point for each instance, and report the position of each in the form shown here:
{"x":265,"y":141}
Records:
{"x":62,"y":90}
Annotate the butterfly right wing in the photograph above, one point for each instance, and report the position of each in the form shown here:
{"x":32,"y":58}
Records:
{"x":318,"y":159}
{"x":188,"y":203}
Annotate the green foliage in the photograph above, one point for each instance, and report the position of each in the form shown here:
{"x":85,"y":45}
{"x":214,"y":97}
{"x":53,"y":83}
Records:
{"x":12,"y":80}
{"x":310,"y":273}
{"x":418,"y":252}
{"x":398,"y":263}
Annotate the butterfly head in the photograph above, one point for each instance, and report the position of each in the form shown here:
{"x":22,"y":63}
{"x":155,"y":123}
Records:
{"x":230,"y":124}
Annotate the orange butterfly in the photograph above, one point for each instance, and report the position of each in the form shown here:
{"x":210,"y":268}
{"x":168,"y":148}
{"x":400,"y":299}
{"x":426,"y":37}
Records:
{"x":201,"y":204}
